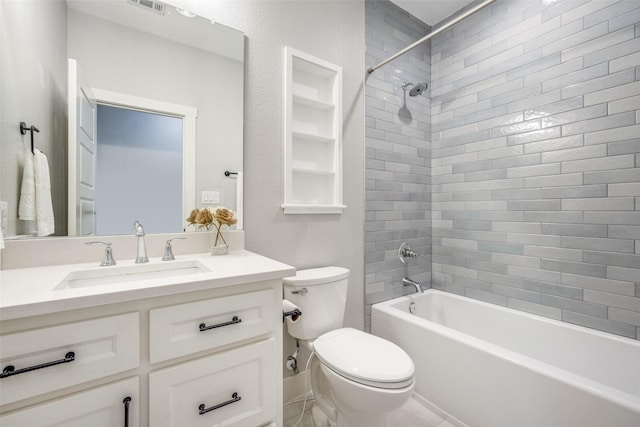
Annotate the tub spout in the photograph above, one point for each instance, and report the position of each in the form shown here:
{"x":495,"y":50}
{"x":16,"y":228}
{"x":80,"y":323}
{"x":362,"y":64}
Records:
{"x":407,"y":281}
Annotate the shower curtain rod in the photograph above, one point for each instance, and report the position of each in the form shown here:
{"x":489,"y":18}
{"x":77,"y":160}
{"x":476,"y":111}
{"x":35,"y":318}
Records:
{"x":433,"y":33}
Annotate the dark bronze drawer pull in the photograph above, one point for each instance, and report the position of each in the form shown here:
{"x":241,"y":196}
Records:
{"x":126,"y":402}
{"x":11,"y":370}
{"x":204,"y":327}
{"x":234,"y":398}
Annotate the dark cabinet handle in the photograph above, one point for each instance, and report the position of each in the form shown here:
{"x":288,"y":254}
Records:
{"x":203,"y":410}
{"x":126,"y":402}
{"x":203,"y":327}
{"x":11,"y":370}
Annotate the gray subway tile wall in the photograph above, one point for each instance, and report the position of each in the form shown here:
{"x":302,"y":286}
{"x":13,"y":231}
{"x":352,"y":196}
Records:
{"x":548,"y":189}
{"x":518,"y":173}
{"x":398,"y":159}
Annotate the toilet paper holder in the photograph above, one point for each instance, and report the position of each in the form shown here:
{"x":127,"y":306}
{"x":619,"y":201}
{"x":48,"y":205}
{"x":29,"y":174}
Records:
{"x":294,"y":314}
{"x":291,"y":310}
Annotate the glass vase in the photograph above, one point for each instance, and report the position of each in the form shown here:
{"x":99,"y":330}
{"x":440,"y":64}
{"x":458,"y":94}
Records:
{"x":219,"y":244}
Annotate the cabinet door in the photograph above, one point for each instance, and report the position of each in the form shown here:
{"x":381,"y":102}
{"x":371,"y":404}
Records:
{"x":232,"y":389}
{"x":66,"y":355}
{"x":100,"y":407}
{"x":184,"y":329}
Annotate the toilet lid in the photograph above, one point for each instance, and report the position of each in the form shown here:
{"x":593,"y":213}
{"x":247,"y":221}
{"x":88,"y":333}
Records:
{"x":365,"y":358}
{"x":316,"y":276}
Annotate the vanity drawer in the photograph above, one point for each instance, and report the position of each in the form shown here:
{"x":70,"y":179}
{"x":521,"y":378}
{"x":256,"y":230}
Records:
{"x":98,"y":407}
{"x":231,"y":388}
{"x":67,"y":355}
{"x":188,"y":328}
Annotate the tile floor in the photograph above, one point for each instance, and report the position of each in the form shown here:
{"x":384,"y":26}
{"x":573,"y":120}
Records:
{"x":415,"y":413}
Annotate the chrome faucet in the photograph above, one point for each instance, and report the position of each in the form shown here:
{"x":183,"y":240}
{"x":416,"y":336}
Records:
{"x":141,"y":254}
{"x":407,"y":281}
{"x":108,"y":259}
{"x":168,"y":251}
{"x":404,"y":254}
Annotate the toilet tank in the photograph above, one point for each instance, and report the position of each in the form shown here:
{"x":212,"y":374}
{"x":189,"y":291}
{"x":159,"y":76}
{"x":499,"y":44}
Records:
{"x":321,"y":294}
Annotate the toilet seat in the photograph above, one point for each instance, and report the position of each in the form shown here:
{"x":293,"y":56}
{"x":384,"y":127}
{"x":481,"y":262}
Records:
{"x":365,"y":358}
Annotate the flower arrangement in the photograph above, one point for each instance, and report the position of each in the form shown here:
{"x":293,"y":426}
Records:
{"x":205,"y":218}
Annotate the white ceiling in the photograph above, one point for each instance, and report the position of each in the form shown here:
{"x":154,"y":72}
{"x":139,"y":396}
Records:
{"x":431,"y":11}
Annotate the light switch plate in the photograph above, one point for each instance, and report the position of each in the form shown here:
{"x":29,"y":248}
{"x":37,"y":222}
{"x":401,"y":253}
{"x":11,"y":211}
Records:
{"x":210,"y":197}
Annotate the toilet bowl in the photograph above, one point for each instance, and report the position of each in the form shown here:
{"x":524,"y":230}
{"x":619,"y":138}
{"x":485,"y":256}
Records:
{"x":357,"y":379}
{"x":368,"y":377}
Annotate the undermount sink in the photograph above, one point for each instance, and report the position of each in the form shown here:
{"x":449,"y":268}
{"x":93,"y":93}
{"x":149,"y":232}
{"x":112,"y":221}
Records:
{"x":122,"y":274}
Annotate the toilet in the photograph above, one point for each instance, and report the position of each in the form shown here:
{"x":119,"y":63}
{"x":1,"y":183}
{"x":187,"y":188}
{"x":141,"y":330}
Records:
{"x":357,"y":379}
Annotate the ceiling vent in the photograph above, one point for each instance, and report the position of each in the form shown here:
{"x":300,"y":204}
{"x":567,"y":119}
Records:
{"x":150,"y":5}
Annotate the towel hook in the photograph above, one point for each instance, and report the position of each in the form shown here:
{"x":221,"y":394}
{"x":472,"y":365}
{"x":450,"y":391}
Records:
{"x":24,"y":129}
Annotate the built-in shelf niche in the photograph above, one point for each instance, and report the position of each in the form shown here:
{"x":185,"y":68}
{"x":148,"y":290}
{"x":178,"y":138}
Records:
{"x":313,"y":135}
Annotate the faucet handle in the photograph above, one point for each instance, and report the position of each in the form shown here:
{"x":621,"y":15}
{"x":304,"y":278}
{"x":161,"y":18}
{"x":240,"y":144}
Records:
{"x":406,"y":252}
{"x":168,"y":252}
{"x":108,"y":253}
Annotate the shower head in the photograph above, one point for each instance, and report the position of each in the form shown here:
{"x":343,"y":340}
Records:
{"x":418,"y":88}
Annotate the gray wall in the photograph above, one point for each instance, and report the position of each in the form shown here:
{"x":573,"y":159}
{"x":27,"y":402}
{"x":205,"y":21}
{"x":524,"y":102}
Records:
{"x":397,"y":153}
{"x":333,"y":31}
{"x":33,"y":89}
{"x":536,"y":160}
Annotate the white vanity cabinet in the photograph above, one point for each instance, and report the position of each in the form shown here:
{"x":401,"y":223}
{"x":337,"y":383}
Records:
{"x":43,"y":360}
{"x":183,"y":329}
{"x":210,"y":356}
{"x":236,"y":386}
{"x":233,"y":388}
{"x":107,"y":406}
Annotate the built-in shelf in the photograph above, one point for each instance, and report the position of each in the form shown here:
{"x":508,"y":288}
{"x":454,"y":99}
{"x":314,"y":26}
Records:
{"x":313,"y":135}
{"x":312,"y":171}
{"x":313,"y":103}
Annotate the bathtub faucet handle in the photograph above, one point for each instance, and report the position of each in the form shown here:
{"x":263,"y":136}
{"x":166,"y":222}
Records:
{"x":409,"y":253}
{"x":406,"y":252}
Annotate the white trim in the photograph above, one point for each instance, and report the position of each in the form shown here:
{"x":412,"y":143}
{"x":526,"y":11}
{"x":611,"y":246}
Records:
{"x":188,"y":115}
{"x":313,"y":209}
{"x":287,"y":126}
{"x":240,"y":200}
{"x":72,"y":93}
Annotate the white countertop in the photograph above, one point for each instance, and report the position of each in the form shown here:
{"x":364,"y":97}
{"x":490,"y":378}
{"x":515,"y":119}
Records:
{"x":32,"y":291}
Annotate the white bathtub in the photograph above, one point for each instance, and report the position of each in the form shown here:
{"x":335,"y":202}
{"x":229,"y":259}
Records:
{"x":491,"y":366}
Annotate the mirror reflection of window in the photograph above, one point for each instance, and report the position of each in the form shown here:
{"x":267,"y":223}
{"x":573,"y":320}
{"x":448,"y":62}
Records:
{"x":138,"y":171}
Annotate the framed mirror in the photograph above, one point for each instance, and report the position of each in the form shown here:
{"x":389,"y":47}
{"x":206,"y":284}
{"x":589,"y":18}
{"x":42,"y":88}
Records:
{"x":146,"y":58}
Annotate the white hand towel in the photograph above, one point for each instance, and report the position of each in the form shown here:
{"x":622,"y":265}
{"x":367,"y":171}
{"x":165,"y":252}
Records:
{"x":44,"y":207}
{"x":27,"y":204}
